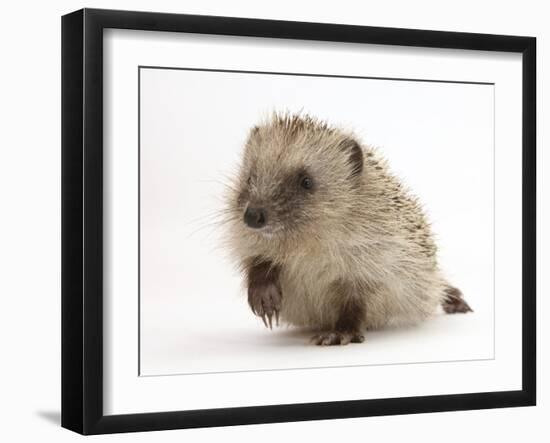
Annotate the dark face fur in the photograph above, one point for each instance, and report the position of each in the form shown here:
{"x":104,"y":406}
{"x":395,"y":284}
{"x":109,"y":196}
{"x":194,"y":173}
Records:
{"x":292,"y":175}
{"x":274,"y":204}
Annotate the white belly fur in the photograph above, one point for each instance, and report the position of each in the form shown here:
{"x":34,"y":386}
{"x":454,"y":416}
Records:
{"x":398,"y":299}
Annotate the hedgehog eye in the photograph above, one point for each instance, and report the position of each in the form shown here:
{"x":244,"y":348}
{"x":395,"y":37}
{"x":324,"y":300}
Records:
{"x":306,"y":182}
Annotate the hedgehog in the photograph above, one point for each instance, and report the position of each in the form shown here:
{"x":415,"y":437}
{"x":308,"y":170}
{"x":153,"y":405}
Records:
{"x":327,"y":238}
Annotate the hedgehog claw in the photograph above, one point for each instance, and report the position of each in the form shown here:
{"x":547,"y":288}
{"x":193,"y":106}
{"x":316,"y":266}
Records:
{"x":265,"y":302}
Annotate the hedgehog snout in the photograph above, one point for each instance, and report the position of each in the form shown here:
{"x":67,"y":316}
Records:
{"x":255,"y":217}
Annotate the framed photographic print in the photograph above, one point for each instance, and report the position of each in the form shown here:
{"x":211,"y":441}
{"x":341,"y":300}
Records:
{"x":269,"y":221}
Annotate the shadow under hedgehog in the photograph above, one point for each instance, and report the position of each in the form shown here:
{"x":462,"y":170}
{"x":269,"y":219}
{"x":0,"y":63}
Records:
{"x":327,"y":238}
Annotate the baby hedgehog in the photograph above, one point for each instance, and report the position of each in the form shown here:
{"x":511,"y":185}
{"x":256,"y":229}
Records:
{"x":327,"y":238}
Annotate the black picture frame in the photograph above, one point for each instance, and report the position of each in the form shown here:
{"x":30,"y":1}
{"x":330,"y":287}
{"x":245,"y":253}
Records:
{"x":82,"y":220}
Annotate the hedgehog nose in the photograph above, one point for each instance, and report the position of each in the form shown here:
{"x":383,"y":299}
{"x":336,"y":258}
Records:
{"x":255,"y":217}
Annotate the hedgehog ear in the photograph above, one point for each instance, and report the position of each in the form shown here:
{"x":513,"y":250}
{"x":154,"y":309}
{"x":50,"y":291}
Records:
{"x":355,"y":154}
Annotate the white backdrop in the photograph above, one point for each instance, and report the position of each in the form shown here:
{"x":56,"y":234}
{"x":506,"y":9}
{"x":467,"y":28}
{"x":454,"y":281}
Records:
{"x":439,"y":137}
{"x":30,"y":235}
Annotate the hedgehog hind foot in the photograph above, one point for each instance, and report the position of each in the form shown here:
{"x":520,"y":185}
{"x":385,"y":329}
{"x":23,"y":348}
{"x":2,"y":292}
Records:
{"x":337,"y":338}
{"x":454,"y":302}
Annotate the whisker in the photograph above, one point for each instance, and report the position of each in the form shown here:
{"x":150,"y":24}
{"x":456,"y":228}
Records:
{"x":214,"y":214}
{"x":215,"y":224}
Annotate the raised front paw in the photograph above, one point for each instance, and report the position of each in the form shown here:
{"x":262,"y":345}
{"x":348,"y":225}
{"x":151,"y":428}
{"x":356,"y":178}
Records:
{"x":337,"y":338}
{"x":265,"y":300}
